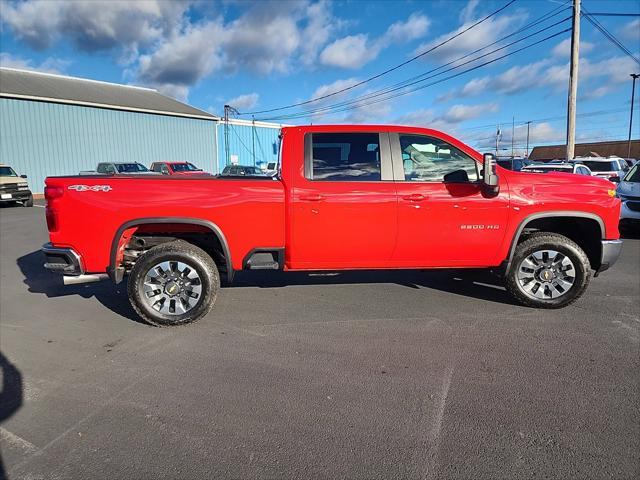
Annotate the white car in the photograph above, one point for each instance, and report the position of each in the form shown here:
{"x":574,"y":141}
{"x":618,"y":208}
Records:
{"x":629,"y":193}
{"x":568,"y":167}
{"x":611,"y":168}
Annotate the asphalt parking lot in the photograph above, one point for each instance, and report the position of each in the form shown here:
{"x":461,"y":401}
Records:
{"x":357,"y":375}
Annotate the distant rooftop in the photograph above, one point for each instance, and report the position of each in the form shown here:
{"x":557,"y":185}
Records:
{"x":30,"y":85}
{"x":594,"y":149}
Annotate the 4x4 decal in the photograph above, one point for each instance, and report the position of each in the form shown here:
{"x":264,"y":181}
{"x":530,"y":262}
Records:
{"x":90,"y":188}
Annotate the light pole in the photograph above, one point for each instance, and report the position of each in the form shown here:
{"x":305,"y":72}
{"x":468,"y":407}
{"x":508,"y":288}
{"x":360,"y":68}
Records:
{"x":528,"y":125}
{"x":633,"y":92}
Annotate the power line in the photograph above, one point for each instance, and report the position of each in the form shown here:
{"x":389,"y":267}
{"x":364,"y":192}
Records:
{"x":354,"y":103}
{"x":609,"y":35}
{"x":424,"y":76}
{"x":389,"y":70}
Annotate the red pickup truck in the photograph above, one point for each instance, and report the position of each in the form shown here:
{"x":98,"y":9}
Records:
{"x":346,"y":197}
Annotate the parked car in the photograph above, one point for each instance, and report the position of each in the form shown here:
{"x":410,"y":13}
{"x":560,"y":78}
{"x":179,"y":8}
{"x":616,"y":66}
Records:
{"x":611,"y":168}
{"x":14,"y":187}
{"x":631,"y":161}
{"x":242,"y":171}
{"x":350,"y":197}
{"x":515,"y":164}
{"x":119,"y":168}
{"x":568,"y":167}
{"x":176,"y":168}
{"x":628,"y":192}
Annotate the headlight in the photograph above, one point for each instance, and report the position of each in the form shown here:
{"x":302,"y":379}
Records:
{"x":23,"y":188}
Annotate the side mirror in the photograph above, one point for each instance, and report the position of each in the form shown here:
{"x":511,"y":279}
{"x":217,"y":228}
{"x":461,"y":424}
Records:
{"x":490,"y":177}
{"x":23,"y":176}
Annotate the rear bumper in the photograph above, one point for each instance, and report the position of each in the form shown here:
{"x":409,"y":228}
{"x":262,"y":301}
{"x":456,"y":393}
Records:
{"x":610,"y":252}
{"x":62,"y":260}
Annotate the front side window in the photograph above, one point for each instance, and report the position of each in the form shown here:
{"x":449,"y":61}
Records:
{"x":345,"y":157}
{"x":429,"y":159}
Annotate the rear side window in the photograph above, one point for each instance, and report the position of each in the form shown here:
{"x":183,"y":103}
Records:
{"x":344,"y":157}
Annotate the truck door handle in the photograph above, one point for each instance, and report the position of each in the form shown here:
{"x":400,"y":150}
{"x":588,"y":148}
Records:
{"x":415,"y":197}
{"x":312,"y":198}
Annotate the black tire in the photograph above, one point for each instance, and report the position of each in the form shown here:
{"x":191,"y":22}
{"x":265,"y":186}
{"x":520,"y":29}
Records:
{"x":176,"y":251}
{"x":558,"y":243}
{"x":28,"y":202}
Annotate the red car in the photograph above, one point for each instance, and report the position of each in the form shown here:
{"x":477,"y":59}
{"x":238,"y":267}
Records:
{"x":348,"y":197}
{"x":176,"y":168}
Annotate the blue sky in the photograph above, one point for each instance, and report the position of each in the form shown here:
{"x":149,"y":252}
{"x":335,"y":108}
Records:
{"x":261,"y":55}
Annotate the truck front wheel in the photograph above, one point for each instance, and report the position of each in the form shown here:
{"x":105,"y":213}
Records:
{"x":173,"y":284}
{"x":548,"y":270}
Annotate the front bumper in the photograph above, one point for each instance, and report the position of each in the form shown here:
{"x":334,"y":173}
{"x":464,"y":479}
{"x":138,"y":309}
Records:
{"x":15,"y":195}
{"x":630,"y":210}
{"x":610,"y":252}
{"x":62,"y":260}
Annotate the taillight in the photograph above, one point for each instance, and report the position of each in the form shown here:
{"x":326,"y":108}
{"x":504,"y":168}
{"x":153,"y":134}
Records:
{"x":50,"y":194}
{"x":52,"y":219}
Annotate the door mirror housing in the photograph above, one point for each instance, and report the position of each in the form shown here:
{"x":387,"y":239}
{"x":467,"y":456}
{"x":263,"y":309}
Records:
{"x":490,"y":177}
{"x":23,"y":176}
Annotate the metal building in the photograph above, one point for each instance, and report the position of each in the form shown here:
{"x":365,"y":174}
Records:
{"x":250,"y":143}
{"x":58,"y":125}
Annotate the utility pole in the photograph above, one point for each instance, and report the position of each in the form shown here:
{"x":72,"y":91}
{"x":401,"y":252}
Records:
{"x":253,"y":139}
{"x":498,"y":135}
{"x":528,"y":125}
{"x":573,"y":82}
{"x":513,"y":134}
{"x":226,"y":134}
{"x":633,"y":93}
{"x":228,"y":109}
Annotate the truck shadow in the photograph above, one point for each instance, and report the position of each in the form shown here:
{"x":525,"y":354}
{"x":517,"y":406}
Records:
{"x":39,"y":280}
{"x":479,"y":284}
{"x":11,"y":396}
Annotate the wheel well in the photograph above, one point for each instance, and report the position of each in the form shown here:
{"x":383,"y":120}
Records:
{"x":586,"y":232}
{"x":134,"y":240}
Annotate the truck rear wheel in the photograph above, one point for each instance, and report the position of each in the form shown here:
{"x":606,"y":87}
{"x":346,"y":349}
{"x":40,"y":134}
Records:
{"x":548,"y":270}
{"x":173,"y":284}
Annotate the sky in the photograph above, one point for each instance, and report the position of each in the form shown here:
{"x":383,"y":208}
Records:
{"x":259,"y":56}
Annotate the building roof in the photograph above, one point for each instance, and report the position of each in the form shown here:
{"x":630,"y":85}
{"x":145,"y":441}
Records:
{"x":47,"y":87}
{"x":595,"y":149}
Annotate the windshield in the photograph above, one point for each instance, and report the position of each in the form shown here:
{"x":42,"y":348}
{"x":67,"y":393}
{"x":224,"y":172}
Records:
{"x":633,"y":175}
{"x":7,"y":172}
{"x":184,"y":167}
{"x":131,"y":167}
{"x":601,"y":166}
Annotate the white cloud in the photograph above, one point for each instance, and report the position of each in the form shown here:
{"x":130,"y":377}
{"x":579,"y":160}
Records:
{"x":182,"y":61}
{"x":468,"y":12}
{"x":92,"y":25}
{"x":563,"y":49}
{"x":50,"y":65}
{"x":333,"y":87}
{"x":354,"y":51}
{"x":460,"y":113}
{"x":631,"y":31}
{"x":320,"y":26}
{"x":484,"y":33}
{"x":415,"y":27}
{"x":244,"y":102}
{"x":350,"y":52}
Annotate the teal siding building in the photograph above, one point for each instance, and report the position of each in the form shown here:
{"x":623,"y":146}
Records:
{"x":54,"y":125}
{"x":250,"y":143}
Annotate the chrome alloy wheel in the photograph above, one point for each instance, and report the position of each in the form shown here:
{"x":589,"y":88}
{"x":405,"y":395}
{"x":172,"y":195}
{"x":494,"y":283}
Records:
{"x":172,"y":288}
{"x":546,"y":274}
